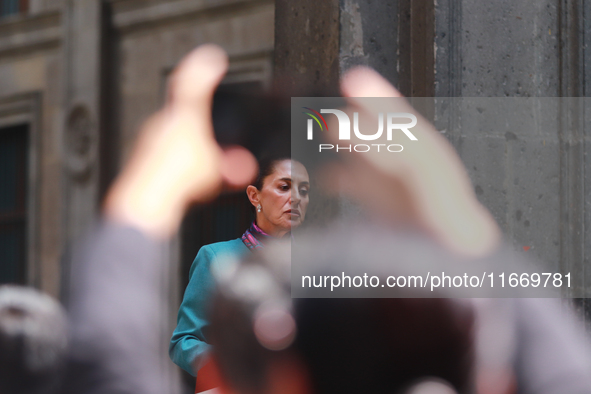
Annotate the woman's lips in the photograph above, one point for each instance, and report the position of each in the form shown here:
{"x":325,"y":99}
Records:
{"x":293,"y":212}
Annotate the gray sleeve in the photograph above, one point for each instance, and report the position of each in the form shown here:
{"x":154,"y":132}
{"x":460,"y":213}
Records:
{"x":553,"y":355}
{"x":113,"y":308}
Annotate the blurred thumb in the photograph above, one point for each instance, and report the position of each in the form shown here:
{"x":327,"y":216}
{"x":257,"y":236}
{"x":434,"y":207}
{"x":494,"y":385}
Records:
{"x":366,"y":82}
{"x":238,"y":166}
{"x":198,"y":75}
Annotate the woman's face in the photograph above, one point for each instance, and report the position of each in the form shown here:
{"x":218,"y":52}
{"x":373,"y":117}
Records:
{"x":283,"y":198}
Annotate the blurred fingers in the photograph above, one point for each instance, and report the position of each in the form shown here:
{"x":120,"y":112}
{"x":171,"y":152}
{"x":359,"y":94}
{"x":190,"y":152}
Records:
{"x":365,"y":82}
{"x":198,"y":75}
{"x":384,"y":197}
{"x":238,"y":167}
{"x":362,"y":83}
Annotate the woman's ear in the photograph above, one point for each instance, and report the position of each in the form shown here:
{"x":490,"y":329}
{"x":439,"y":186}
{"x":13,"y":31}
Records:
{"x":253,"y":195}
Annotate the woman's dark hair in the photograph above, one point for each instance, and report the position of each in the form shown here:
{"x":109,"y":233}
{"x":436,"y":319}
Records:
{"x":266,"y":168}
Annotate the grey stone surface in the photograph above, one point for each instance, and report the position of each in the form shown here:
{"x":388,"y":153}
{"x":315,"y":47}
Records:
{"x":522,"y":49}
{"x":369,"y":36}
{"x":82,"y":118}
{"x":533,"y":174}
{"x":511,"y":150}
{"x":510,"y":49}
{"x":307,"y":45}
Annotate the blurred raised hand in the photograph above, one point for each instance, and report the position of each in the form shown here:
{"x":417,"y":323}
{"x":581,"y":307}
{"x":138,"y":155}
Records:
{"x":425,"y":186}
{"x":177,"y":160}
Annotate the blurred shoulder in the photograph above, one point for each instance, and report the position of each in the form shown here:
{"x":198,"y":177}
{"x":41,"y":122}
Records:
{"x":234,"y":246}
{"x":210,"y":253}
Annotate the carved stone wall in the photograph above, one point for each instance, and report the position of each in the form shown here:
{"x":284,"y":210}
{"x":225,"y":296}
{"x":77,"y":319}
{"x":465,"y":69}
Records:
{"x":31,"y":93}
{"x":84,"y":75}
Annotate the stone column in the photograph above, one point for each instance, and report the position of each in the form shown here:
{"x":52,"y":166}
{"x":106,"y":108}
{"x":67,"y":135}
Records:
{"x":316,"y":41}
{"x":307,"y":44}
{"x":82,"y":22}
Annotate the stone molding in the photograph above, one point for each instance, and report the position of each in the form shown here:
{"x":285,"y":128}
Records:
{"x":28,"y":33}
{"x":131,"y":15}
{"x":80,"y":143}
{"x":250,"y":67}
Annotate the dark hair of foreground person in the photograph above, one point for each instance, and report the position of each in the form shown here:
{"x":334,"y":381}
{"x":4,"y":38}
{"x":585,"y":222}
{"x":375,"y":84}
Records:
{"x":344,"y":345}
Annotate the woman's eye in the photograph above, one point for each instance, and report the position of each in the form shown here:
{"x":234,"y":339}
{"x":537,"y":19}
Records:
{"x":284,"y":188}
{"x":304,"y":192}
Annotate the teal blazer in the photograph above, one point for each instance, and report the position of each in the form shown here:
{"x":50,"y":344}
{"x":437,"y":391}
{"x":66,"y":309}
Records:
{"x":189,"y":342}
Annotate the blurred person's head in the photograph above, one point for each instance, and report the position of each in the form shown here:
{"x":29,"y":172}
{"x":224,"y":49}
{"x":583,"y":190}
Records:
{"x":33,"y":341}
{"x":383,"y":345}
{"x":265,"y":343}
{"x":280,"y":195}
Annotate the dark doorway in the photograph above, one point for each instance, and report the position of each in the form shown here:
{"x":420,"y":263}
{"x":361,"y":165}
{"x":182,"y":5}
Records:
{"x":13,"y":203}
{"x":225,"y":218}
{"x":230,"y":214}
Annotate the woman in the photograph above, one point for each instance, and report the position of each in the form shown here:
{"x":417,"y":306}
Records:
{"x":280,"y":198}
